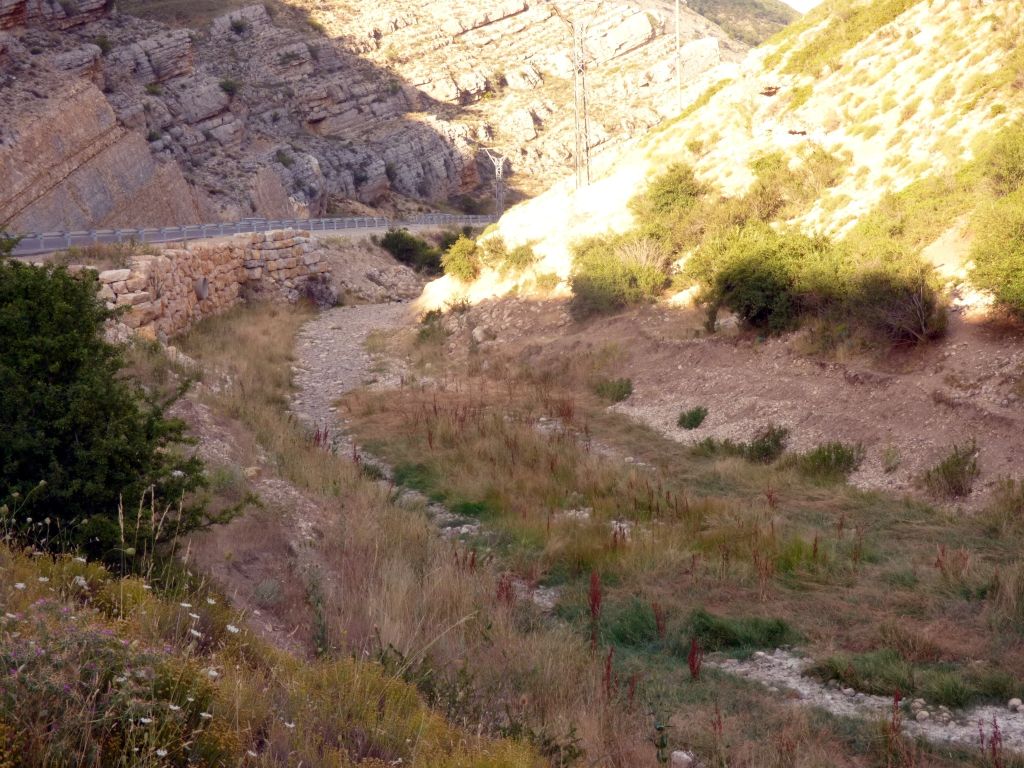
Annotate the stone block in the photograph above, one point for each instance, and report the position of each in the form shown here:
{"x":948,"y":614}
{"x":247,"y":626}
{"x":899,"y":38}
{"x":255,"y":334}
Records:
{"x":114,"y":276}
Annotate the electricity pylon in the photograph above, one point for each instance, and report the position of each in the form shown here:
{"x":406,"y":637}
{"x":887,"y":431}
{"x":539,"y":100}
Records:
{"x":579,"y":26}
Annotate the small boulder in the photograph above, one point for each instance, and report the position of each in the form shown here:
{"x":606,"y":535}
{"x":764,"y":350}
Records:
{"x":923,"y":715}
{"x":681,"y":759}
{"x":1014,"y":704}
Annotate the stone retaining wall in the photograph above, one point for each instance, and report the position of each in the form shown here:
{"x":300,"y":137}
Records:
{"x":171,"y":289}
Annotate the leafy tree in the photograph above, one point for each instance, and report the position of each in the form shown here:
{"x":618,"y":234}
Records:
{"x":78,"y":442}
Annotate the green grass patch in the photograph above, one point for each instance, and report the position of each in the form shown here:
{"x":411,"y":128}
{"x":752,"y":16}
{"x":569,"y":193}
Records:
{"x":884,"y":671}
{"x":737,"y":635}
{"x":692,"y":418}
{"x":765,"y":447}
{"x":953,"y":477}
{"x":613,"y":390}
{"x":830,"y":462}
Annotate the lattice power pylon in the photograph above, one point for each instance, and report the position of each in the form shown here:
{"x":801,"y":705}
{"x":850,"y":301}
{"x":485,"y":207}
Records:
{"x":578,"y":20}
{"x":499,"y":181}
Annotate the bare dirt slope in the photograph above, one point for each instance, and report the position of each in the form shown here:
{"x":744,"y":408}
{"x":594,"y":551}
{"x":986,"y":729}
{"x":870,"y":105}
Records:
{"x":910,"y":409}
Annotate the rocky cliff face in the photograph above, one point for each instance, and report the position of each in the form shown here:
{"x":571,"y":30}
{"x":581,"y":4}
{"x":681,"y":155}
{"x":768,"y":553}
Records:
{"x":365,"y":103}
{"x":67,"y":163}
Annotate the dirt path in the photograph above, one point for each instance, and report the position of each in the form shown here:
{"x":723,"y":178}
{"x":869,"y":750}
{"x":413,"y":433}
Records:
{"x":332,"y":359}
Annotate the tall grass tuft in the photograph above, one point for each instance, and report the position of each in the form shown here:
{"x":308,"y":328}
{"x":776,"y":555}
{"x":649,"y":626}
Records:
{"x":954,"y":476}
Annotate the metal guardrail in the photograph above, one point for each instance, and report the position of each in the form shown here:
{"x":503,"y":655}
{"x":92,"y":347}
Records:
{"x":47,"y":242}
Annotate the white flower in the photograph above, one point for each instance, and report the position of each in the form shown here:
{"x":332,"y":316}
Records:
{"x":213,"y":673}
{"x":190,"y":699}
{"x":211,"y":601}
{"x":233,"y":629}
{"x":10,"y":616}
{"x":161,"y":753}
{"x":206,"y":716}
{"x":194,"y":615}
{"x":290,"y":726}
{"x":174,"y":707}
{"x":250,"y":753}
{"x":146,"y":586}
{"x":43,"y":580}
{"x":121,"y":679}
{"x":257,"y":613}
{"x":185,"y":605}
{"x":195,"y":633}
{"x":19,"y":585}
{"x":80,"y":560}
{"x":79,"y":581}
{"x":145,"y":720}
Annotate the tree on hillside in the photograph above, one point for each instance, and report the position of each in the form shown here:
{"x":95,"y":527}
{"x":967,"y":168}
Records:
{"x":78,"y":442}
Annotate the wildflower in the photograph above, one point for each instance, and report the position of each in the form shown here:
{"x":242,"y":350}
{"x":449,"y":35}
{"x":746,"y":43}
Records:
{"x":213,"y":673}
{"x":194,"y":615}
{"x":10,"y":616}
{"x":256,"y":612}
{"x":19,"y":585}
{"x":146,"y":586}
{"x":250,"y":753}
{"x":233,"y":629}
{"x":210,"y":601}
{"x":174,"y":707}
{"x":80,"y":581}
{"x":43,"y":580}
{"x":290,"y":726}
{"x":190,"y":699}
{"x":206,"y":716}
{"x":80,"y":560}
{"x":185,"y":605}
{"x":161,"y":753}
{"x":195,"y":633}
{"x":145,"y":720}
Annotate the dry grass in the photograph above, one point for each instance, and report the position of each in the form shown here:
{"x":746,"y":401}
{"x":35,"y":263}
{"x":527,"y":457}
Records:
{"x":520,"y":446}
{"x":393,"y":590}
{"x":110,"y":673}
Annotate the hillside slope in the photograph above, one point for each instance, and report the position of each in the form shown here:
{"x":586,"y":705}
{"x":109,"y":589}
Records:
{"x":894,"y":91}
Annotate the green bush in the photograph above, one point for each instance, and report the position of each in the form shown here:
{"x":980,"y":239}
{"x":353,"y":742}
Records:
{"x":767,"y":445}
{"x":519,"y":259}
{"x":411,"y":250}
{"x":77,"y":440}
{"x":612,"y":273}
{"x":614,"y":390}
{"x":998,"y":251}
{"x":830,"y":462}
{"x":692,"y":418}
{"x":1003,"y":162}
{"x":230,"y":87}
{"x":462,"y":260}
{"x":749,"y":633}
{"x":954,"y":476}
{"x":773,"y":280}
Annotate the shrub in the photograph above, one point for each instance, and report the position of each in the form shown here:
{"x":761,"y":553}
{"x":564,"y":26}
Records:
{"x":230,"y":87}
{"x":239,"y":26}
{"x":612,"y":273}
{"x":670,"y":195}
{"x":692,"y":418}
{"x":766,"y":446}
{"x":754,"y":272}
{"x":998,"y":251}
{"x":614,"y":390}
{"x":76,"y":439}
{"x":1003,"y":162}
{"x":830,"y":462}
{"x":749,"y":633}
{"x":519,"y":259}
{"x":411,"y":250}
{"x":462,"y":260}
{"x":103,"y":43}
{"x":154,"y":89}
{"x":284,"y":158}
{"x":954,"y":476}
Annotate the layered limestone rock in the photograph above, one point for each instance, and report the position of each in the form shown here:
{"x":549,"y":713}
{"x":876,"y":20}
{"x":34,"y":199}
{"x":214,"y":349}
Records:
{"x":67,"y":164}
{"x":505,"y":69}
{"x":54,"y":15}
